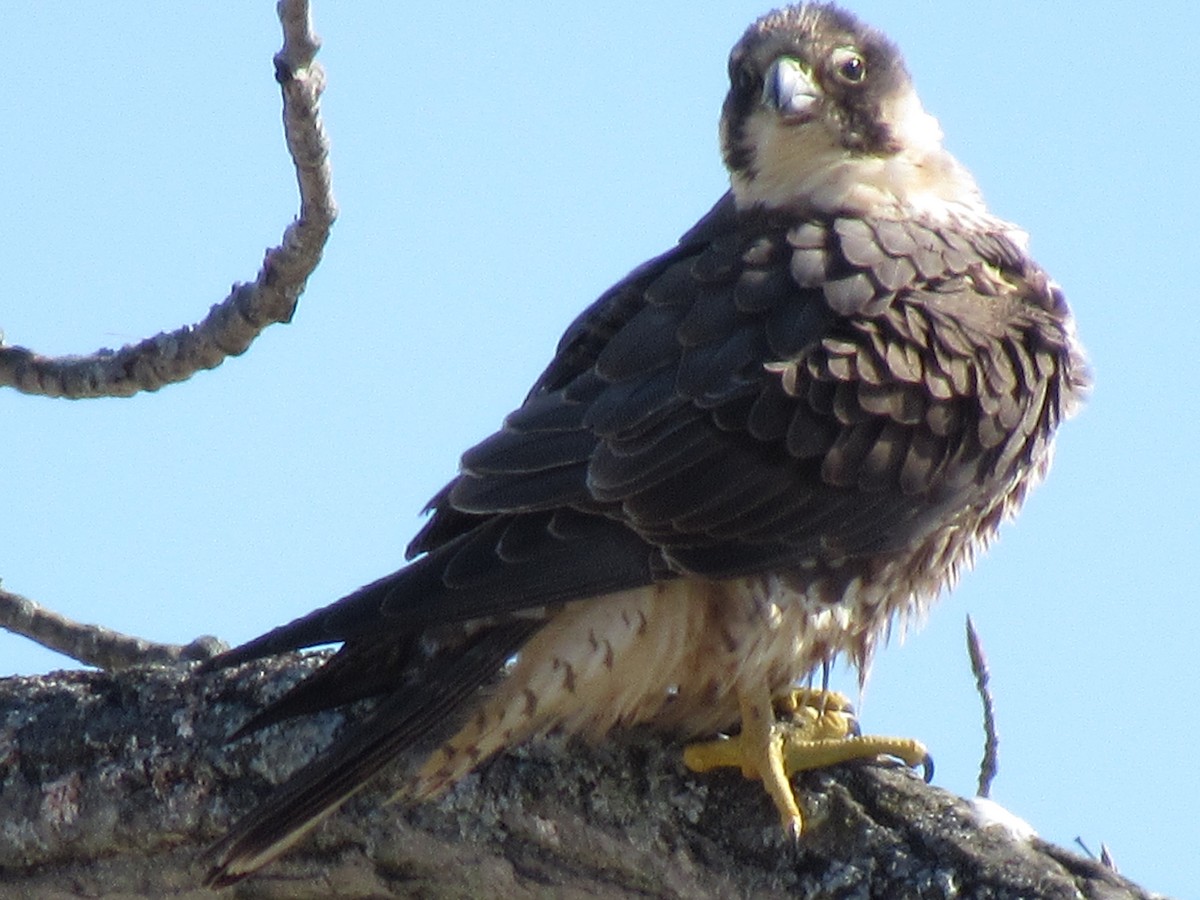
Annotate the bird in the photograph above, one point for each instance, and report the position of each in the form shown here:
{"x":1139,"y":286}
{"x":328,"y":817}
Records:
{"x":749,"y":458}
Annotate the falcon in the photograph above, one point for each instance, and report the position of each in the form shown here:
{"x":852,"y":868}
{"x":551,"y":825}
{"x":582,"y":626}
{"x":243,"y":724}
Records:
{"x":745,"y":460}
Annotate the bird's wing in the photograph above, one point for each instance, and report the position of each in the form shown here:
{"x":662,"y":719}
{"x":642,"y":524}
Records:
{"x":775,"y":392}
{"x":766,"y":394}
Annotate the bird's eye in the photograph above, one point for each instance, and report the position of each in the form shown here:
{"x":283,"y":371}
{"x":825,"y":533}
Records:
{"x":848,"y":65}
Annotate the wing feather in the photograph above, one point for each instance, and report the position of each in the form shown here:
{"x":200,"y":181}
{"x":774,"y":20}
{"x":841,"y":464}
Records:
{"x":819,"y":377}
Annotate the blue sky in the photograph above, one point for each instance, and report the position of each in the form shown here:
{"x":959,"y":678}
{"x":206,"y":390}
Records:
{"x":498,"y":166}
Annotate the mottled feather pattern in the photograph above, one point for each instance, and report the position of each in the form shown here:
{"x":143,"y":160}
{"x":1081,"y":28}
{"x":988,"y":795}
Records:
{"x":897,"y":387}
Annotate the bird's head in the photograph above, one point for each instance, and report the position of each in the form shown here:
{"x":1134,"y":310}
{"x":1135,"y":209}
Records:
{"x":821,"y":116}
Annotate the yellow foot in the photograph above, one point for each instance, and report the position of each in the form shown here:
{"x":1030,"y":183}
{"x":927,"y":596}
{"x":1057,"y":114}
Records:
{"x":804,"y":729}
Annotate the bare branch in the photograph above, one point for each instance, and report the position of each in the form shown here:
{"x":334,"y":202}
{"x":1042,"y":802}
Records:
{"x":990,"y":764}
{"x":94,"y":645}
{"x":232,"y":325}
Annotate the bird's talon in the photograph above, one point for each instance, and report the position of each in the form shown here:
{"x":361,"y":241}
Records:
{"x":794,"y":829}
{"x":818,"y":729}
{"x":927,"y":768}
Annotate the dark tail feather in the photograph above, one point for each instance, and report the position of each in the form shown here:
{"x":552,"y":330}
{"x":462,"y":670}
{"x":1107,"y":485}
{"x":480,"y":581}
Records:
{"x":364,"y":667}
{"x":357,"y":615}
{"x":330,"y":624}
{"x":323,"y":785}
{"x":503,"y":565}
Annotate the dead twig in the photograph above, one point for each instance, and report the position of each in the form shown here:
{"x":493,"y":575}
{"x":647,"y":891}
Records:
{"x":94,"y":645}
{"x":990,"y":764}
{"x":229,"y":329}
{"x":233,"y":324}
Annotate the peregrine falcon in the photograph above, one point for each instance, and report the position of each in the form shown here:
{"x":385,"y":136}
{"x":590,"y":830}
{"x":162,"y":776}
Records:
{"x":746,"y":459}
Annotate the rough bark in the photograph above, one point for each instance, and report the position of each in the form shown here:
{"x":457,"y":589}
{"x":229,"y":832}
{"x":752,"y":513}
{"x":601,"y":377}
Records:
{"x":113,"y":784}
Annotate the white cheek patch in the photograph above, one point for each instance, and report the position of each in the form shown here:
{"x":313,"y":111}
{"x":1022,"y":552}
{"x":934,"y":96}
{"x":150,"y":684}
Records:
{"x":790,"y":162}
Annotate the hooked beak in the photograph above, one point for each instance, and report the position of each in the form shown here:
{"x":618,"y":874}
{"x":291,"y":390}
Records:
{"x":790,"y":90}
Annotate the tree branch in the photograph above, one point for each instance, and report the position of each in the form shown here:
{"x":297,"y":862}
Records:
{"x":115,"y":783}
{"x":232,"y":325}
{"x":94,"y":645}
{"x":229,"y":329}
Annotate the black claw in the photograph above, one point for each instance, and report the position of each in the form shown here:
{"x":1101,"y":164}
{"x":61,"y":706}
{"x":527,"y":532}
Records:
{"x":927,"y":768}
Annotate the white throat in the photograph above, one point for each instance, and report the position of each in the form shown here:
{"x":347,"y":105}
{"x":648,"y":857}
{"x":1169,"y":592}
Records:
{"x":806,"y":167}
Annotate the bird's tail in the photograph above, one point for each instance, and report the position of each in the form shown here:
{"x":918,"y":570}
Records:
{"x":320,"y":787}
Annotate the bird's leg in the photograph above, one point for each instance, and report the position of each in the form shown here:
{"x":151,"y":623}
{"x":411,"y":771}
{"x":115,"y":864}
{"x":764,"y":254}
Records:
{"x":803,"y":729}
{"x":761,"y":755}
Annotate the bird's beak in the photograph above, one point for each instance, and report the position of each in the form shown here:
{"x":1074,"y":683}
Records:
{"x":790,"y":90}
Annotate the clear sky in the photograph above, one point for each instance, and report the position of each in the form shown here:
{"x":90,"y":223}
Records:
{"x":498,"y":165}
